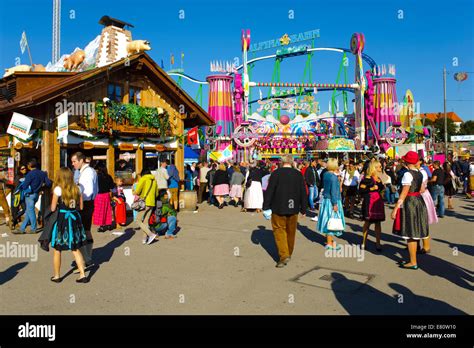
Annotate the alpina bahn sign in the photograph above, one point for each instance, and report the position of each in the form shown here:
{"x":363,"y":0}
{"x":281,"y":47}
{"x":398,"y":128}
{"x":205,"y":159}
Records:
{"x":294,"y":38}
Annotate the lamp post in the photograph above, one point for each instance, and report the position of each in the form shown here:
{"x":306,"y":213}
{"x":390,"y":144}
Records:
{"x":445,"y":116}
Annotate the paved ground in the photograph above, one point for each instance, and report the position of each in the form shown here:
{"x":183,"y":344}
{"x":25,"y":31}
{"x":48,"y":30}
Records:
{"x":222,"y":263}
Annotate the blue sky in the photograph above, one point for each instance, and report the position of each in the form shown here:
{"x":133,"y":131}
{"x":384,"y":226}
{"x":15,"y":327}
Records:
{"x":430,"y":35}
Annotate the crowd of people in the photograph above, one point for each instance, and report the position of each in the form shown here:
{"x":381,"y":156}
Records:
{"x":86,"y":195}
{"x":78,"y":198}
{"x":415,"y":190}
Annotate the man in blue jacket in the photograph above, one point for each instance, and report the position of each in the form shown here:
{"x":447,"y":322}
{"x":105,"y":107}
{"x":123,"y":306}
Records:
{"x":35,"y":180}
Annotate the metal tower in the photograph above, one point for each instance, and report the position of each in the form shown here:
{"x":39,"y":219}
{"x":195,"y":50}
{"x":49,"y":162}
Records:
{"x":56,"y":30}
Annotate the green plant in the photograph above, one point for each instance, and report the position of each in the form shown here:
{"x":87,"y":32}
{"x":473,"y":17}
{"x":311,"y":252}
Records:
{"x":136,"y":115}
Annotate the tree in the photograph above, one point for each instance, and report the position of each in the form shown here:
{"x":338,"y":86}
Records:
{"x":467,"y":128}
{"x":439,"y":129}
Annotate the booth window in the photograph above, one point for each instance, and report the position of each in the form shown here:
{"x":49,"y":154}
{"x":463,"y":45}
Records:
{"x":114,"y":92}
{"x":134,"y":95}
{"x":125,"y":166}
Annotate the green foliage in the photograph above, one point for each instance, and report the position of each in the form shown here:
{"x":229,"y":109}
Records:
{"x":467,"y":128}
{"x":136,"y":115}
{"x":438,"y":126}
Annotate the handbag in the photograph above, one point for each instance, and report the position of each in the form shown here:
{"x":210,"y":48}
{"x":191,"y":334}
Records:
{"x":139,"y":203}
{"x":335,"y":223}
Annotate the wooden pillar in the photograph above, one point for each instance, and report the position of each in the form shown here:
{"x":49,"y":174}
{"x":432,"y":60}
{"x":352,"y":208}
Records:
{"x":47,"y":152}
{"x":57,"y":153}
{"x":111,"y":159}
{"x":179,"y":156}
{"x":138,"y":160}
{"x":126,"y":92}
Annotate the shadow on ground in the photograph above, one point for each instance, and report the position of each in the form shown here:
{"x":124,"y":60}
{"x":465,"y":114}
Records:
{"x":11,"y":272}
{"x":104,"y":254}
{"x":265,"y":238}
{"x":369,"y":301}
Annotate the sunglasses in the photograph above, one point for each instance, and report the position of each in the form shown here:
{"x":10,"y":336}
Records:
{"x":22,"y":168}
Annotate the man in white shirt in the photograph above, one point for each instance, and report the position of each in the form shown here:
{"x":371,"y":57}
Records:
{"x":162,"y":176}
{"x":203,"y":181}
{"x":89,"y":187}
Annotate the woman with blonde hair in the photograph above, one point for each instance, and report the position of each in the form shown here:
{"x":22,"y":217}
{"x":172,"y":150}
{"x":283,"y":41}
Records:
{"x":220,"y":184}
{"x":373,"y":209}
{"x":67,"y":232}
{"x":331,"y":205}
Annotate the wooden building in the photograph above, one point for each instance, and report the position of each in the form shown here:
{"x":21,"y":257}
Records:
{"x":143,"y":122}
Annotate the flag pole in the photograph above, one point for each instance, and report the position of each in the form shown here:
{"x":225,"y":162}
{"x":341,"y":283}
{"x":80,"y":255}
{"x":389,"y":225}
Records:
{"x":23,"y":43}
{"x":29,"y":54}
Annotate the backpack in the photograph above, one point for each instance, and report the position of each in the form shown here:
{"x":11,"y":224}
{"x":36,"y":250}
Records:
{"x":18,"y":196}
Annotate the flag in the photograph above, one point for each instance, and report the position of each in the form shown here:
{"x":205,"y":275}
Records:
{"x":193,"y":137}
{"x":63,"y":125}
{"x":172,"y":59}
{"x":226,"y":153}
{"x":162,"y":65}
{"x":23,"y":42}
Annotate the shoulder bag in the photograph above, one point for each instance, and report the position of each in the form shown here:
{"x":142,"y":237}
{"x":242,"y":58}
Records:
{"x":140,"y":203}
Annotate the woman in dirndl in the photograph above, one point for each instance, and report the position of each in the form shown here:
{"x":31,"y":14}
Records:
{"x":236,"y":181}
{"x":331,"y":205}
{"x":220,"y":184}
{"x":430,"y":207}
{"x":102,"y":216}
{"x":373,"y":208}
{"x":67,"y":231}
{"x":449,"y":184}
{"x":253,"y":196}
{"x":410,"y":213}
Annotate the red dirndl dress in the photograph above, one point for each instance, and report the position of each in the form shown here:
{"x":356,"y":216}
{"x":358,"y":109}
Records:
{"x":120,"y":211}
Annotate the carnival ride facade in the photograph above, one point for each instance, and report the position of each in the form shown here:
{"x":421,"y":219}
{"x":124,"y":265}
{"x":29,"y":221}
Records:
{"x":288,"y":118}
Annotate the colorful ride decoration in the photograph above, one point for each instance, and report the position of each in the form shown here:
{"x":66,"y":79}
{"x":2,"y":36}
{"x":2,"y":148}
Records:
{"x":381,"y":111}
{"x":357,"y":43}
{"x":407,"y":111}
{"x":395,"y":136}
{"x":244,"y":135}
{"x":220,"y":104}
{"x":341,"y":144}
{"x":225,"y":154}
{"x":357,"y":46}
{"x":289,"y":120}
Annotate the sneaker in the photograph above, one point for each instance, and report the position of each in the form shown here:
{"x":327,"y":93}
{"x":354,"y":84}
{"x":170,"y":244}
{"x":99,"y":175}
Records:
{"x":151,"y":238}
{"x":170,"y":236}
{"x":280,"y":264}
{"x":144,"y":240}
{"x":286,"y":261}
{"x":314,"y":219}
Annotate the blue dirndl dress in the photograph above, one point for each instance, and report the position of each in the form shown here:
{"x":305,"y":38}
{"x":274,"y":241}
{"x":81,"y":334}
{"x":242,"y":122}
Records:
{"x":68,"y":232}
{"x":325,"y":213}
